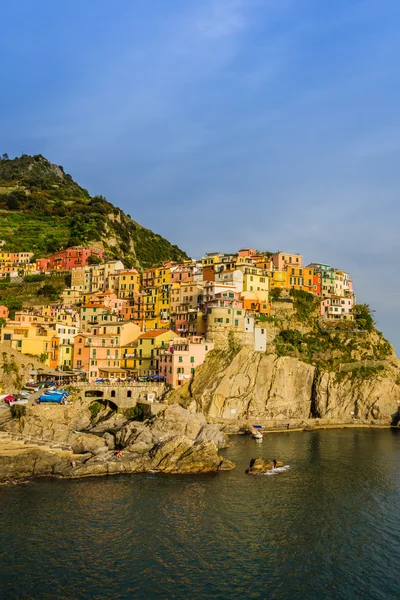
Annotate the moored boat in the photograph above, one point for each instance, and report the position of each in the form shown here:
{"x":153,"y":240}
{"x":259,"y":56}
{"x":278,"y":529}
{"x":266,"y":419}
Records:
{"x":257,"y":432}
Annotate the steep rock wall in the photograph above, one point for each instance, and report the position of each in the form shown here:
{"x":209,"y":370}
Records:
{"x":267,"y":387}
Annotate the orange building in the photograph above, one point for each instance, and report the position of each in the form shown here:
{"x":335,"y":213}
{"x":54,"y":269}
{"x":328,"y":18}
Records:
{"x":300,"y":279}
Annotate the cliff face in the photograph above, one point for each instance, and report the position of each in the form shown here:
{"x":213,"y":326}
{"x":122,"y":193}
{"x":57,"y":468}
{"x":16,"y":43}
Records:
{"x":261,"y":386}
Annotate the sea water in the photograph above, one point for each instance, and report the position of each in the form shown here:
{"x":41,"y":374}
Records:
{"x":326,"y":528}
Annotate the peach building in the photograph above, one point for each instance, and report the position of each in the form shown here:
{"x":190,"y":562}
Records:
{"x":4,"y":312}
{"x":281,"y":260}
{"x":178,"y":363}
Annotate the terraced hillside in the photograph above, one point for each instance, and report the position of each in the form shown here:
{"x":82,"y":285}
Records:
{"x":42,"y":209}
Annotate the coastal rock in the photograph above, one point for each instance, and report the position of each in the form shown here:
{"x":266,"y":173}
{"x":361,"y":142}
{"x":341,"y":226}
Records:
{"x":259,"y":387}
{"x":174,"y":441}
{"x":178,"y":421}
{"x":86,"y":442}
{"x":180,"y":455}
{"x":260,"y":466}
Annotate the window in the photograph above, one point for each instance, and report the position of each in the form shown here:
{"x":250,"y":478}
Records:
{"x":192,"y":359}
{"x":180,"y":359}
{"x":236,"y":323}
{"x":226,"y":320}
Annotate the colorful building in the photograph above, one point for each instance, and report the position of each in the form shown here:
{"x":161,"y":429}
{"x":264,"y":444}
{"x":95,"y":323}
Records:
{"x":281,"y":260}
{"x":178,"y":363}
{"x":337,"y":307}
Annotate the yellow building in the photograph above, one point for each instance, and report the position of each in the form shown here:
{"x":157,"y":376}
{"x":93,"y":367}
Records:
{"x":129,"y":283}
{"x":256,"y":282}
{"x":212,"y":258}
{"x":30,"y":338}
{"x":162,"y":276}
{"x":141,"y":356}
{"x":277,"y":279}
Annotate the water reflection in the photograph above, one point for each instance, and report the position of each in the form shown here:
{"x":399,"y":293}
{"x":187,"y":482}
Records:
{"x":327,"y":528}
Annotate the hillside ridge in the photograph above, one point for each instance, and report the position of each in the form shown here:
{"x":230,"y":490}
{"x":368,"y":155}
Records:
{"x":42,"y":209}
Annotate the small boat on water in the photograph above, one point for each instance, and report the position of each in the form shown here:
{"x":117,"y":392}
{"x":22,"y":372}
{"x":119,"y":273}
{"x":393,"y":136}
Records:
{"x":257,"y":432}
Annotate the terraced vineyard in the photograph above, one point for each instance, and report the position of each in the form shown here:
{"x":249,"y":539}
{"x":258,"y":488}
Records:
{"x":29,"y":232}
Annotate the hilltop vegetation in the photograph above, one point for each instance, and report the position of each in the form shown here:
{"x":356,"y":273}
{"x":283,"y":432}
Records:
{"x":330,"y":344}
{"x":42,"y":209}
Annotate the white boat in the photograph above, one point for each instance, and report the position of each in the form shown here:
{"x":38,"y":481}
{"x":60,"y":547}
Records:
{"x":256,"y":432}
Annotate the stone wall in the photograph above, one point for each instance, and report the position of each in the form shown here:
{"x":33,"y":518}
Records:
{"x":124,"y":395}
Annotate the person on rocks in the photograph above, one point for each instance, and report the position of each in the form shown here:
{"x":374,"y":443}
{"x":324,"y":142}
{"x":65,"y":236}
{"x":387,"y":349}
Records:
{"x":274,"y":463}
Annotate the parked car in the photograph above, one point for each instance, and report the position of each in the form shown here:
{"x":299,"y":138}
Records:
{"x":157,"y":378}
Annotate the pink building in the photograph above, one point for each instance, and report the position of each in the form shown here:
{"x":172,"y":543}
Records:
{"x":21,"y":258}
{"x":224,"y":300}
{"x":42,"y":264}
{"x":182,"y":273}
{"x":281,"y":260}
{"x":65,"y":260}
{"x":247,"y":252}
{"x":110,"y":300}
{"x":178,"y":364}
{"x":337,"y":307}
{"x":4,"y":312}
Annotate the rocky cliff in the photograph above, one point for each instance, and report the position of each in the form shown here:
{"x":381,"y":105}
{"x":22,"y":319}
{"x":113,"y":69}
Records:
{"x":283,"y":389}
{"x":67,"y":441}
{"x":342,"y":371}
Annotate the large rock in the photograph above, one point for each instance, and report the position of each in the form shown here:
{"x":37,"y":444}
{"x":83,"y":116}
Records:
{"x":260,"y":466}
{"x":175,"y":441}
{"x":255,"y":386}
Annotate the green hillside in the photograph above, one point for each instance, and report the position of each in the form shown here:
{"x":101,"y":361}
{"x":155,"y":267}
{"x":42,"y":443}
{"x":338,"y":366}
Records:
{"x":42,"y":209}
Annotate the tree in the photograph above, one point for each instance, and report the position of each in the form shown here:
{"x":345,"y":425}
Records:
{"x":3,"y":322}
{"x":15,"y":199}
{"x":47,"y":290}
{"x":94,"y":260}
{"x":275,"y":293}
{"x":363,"y":317}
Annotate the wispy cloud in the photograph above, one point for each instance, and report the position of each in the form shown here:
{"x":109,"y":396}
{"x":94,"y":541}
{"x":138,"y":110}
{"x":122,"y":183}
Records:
{"x":223,"y":18}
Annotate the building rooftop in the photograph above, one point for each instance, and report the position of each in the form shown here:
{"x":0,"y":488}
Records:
{"x":153,"y":333}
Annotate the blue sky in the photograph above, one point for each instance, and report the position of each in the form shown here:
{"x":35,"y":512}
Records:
{"x":223,"y":123}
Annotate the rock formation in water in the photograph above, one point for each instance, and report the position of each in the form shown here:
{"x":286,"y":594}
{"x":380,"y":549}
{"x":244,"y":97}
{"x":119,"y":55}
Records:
{"x":261,"y":466}
{"x":67,"y":441}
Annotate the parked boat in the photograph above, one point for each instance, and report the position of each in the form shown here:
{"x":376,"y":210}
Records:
{"x":257,"y":432}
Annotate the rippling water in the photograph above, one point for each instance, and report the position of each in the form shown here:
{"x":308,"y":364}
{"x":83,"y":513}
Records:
{"x":326,"y":528}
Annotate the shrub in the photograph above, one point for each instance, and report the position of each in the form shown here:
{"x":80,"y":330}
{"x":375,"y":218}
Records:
{"x":135,"y":413}
{"x":18,"y":411}
{"x":95,"y":408}
{"x":291,"y":336}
